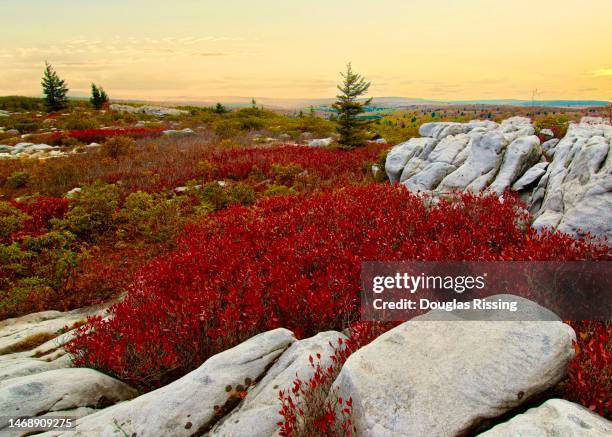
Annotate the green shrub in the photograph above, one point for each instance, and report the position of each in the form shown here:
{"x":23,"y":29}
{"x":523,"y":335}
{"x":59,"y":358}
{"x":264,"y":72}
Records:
{"x":18,"y":179}
{"x":55,"y":258}
{"x":381,"y":176}
{"x":92,"y":211}
{"x":23,"y":123}
{"x":80,"y":121}
{"x":154,"y":217}
{"x":207,"y":169}
{"x":279,"y":190}
{"x":213,"y":194}
{"x":118,"y":146}
{"x":257,"y":174}
{"x":20,"y":103}
{"x":286,"y":174}
{"x":11,"y":220}
{"x":31,"y":272}
{"x":241,"y":193}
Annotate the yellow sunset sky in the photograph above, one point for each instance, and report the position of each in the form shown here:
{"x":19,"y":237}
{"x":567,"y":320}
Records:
{"x":194,"y":49}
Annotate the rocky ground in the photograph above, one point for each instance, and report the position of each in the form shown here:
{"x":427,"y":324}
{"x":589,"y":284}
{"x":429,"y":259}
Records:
{"x":424,"y":377}
{"x":566,"y":183}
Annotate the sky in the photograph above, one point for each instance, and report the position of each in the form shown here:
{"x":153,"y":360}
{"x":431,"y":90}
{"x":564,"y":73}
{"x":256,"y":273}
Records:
{"x":196,"y":49}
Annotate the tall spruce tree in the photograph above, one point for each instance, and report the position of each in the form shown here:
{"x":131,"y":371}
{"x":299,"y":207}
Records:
{"x":352,"y":129}
{"x":54,"y":89}
{"x":99,"y":98}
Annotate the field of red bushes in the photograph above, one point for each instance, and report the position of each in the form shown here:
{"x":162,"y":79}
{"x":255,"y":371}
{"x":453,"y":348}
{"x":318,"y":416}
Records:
{"x":293,"y":262}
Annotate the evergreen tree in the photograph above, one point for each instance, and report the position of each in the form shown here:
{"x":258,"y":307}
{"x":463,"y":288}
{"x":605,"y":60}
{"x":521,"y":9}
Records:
{"x":99,"y":98}
{"x":54,"y":89}
{"x":220,"y":109}
{"x":351,"y":129}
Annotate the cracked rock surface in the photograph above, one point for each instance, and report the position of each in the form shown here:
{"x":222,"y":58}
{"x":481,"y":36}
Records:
{"x":447,"y":378}
{"x":194,"y":403}
{"x":566,"y":183}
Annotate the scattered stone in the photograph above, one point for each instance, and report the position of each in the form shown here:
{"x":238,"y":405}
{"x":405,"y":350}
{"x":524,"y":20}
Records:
{"x":182,"y":132}
{"x":547,"y":133}
{"x":73,"y":193}
{"x":158,"y":111}
{"x":555,"y":417}
{"x":321,"y":142}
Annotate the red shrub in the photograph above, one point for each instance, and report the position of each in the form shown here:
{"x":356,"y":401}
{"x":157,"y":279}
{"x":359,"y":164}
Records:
{"x":590,"y":372}
{"x":324,"y":168}
{"x":41,"y":210}
{"x":309,"y":409}
{"x":294,"y":262}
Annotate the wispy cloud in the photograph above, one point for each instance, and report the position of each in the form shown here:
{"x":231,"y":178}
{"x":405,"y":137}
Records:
{"x":602,"y":72}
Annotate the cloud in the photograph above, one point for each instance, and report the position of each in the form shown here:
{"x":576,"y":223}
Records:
{"x":209,"y":54}
{"x":602,"y":72}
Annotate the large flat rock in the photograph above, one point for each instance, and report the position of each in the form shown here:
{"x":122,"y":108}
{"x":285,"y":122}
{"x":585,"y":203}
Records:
{"x":446,"y":378}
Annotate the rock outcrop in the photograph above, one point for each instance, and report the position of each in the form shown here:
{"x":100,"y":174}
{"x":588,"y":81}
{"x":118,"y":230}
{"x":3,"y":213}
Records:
{"x":14,"y":333}
{"x":553,"y":418}
{"x":192,"y":404}
{"x":567,"y":184}
{"x":445,"y":378}
{"x":59,"y":390}
{"x":158,"y":111}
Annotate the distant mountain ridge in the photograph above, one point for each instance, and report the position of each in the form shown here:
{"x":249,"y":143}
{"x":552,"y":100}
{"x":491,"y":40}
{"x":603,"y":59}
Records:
{"x":386,"y":102}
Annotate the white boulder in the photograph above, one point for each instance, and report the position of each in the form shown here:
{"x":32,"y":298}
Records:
{"x":59,"y":390}
{"x":320,"y":142}
{"x":554,"y":418}
{"x":446,"y":378}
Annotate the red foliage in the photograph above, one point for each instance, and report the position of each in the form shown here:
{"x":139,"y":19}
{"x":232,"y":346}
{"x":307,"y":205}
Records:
{"x":307,"y":407}
{"x":294,"y":262}
{"x":329,"y":164}
{"x":325,"y":168}
{"x":590,"y":372}
{"x":41,"y":210}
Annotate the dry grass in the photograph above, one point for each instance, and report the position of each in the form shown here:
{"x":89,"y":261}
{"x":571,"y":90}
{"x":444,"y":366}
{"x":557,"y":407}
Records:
{"x":29,"y":343}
